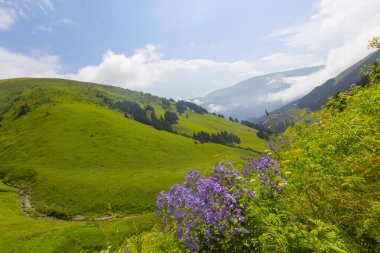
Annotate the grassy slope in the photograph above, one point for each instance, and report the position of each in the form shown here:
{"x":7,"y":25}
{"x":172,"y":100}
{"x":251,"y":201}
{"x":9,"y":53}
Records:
{"x":213,"y":124}
{"x":22,"y":234}
{"x":87,"y":159}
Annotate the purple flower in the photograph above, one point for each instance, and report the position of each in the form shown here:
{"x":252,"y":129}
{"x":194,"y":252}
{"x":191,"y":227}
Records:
{"x":266,"y":169}
{"x":353,"y":85}
{"x":252,"y":194}
{"x":202,"y":208}
{"x":271,"y":146}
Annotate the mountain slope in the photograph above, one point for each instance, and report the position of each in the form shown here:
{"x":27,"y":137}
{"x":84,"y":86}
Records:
{"x":321,"y":94}
{"x":243,"y":100}
{"x":61,"y":141}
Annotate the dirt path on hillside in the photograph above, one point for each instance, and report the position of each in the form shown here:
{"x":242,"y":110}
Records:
{"x":27,"y":209}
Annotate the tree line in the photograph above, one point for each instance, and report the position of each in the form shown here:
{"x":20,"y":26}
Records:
{"x":147,"y":115}
{"x":263,"y":131}
{"x":222,"y":137}
{"x":181,"y":107}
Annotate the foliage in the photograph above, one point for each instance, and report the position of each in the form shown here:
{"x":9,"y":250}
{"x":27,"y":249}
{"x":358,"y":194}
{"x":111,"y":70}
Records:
{"x":263,"y":131}
{"x":334,"y":165}
{"x":223,"y":138}
{"x":171,"y":117}
{"x":374,"y":42}
{"x":212,"y":124}
{"x":233,"y":119}
{"x":233,"y":211}
{"x":181,"y":107}
{"x":24,"y":109}
{"x":329,"y":201}
{"x":147,"y":116}
{"x":207,"y":213}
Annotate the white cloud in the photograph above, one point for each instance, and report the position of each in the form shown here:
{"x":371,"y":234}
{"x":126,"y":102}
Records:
{"x":45,"y":5}
{"x":340,"y":27}
{"x":7,"y":18}
{"x":19,"y":65}
{"x":216,"y":108}
{"x":284,"y":61}
{"x":10,"y":11}
{"x":146,"y":70}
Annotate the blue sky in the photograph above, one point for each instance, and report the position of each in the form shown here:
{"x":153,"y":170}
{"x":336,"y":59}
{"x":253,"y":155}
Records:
{"x":179,"y":48}
{"x":81,"y":31}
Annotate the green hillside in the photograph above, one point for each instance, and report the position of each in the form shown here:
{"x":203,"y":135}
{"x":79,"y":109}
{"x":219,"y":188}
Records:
{"x":316,"y":190}
{"x":61,"y":141}
{"x":20,"y":233}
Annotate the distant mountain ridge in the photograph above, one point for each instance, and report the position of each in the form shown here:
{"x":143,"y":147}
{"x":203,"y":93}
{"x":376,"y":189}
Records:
{"x":321,"y":94}
{"x":246,"y":98}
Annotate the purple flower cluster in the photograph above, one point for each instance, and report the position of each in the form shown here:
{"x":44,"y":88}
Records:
{"x":203,"y":210}
{"x":266,"y":169}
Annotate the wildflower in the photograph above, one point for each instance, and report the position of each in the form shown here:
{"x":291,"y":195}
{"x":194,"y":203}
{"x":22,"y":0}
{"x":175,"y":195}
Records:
{"x":267,"y":173}
{"x":271,"y":146}
{"x":204,"y":202}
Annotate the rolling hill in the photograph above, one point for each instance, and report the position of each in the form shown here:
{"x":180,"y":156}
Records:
{"x":72,"y":148}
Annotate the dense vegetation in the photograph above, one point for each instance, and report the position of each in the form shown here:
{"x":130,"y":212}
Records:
{"x":316,"y":190}
{"x":182,"y":106}
{"x":223,"y":138}
{"x":147,"y":116}
{"x":263,"y":131}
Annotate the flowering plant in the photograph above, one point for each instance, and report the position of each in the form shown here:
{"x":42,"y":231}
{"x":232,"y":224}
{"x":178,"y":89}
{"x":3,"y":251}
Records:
{"x":212,"y":213}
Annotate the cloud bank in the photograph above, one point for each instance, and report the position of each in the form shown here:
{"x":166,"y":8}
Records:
{"x":335,"y":35}
{"x":340,"y":27}
{"x":146,"y":70}
{"x":19,"y":65}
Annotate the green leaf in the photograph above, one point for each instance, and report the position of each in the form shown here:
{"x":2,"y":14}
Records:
{"x":268,"y":114}
{"x":336,"y":249}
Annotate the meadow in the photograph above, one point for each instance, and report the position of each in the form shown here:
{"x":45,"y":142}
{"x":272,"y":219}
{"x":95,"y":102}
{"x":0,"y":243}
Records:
{"x":20,"y":233}
{"x":77,"y":157}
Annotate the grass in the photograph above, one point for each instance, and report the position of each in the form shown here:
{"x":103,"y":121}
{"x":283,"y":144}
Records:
{"x":78,"y":157}
{"x":23,"y":234}
{"x":213,"y":124}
